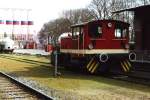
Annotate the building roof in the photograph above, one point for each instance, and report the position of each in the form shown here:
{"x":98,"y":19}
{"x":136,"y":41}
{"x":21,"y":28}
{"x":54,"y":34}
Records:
{"x":145,"y":7}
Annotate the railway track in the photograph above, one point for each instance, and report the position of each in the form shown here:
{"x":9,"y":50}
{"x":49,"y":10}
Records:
{"x":138,"y":77}
{"x":11,"y":89}
{"x":140,"y":74}
{"x":131,"y":79}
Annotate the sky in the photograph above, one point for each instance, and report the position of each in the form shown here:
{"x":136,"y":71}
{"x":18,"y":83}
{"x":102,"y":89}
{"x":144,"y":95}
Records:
{"x":43,"y":11}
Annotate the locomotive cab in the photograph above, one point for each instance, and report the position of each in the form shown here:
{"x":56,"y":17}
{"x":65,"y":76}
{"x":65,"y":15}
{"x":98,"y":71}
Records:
{"x":113,"y":34}
{"x":100,"y":36}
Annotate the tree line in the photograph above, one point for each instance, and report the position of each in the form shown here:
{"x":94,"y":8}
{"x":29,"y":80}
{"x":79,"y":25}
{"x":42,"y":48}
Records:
{"x":97,"y":9}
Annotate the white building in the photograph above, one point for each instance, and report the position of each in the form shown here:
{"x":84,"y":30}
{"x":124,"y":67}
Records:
{"x":17,"y":24}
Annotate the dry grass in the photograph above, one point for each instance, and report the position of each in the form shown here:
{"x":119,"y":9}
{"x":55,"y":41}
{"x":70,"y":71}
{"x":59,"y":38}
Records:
{"x":81,"y":86}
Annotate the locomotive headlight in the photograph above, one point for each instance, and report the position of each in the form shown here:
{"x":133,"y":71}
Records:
{"x":109,"y":25}
{"x":90,"y":46}
{"x":103,"y":57}
{"x":132,"y":56}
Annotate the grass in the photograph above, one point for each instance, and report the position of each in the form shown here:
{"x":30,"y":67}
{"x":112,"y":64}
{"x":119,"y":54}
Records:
{"x":86,"y":87}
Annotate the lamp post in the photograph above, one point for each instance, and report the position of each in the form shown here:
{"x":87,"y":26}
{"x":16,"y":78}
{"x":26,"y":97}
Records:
{"x":53,"y":39}
{"x":56,"y":56}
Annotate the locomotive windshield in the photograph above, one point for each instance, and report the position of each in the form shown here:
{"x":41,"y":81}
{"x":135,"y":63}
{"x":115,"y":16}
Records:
{"x":95,"y":30}
{"x":76,"y":31}
{"x":120,"y":31}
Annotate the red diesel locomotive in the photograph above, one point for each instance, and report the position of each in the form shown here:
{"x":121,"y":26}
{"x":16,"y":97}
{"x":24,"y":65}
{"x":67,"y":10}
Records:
{"x":99,"y":46}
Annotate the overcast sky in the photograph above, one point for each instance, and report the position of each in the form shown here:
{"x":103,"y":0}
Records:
{"x":45,"y":10}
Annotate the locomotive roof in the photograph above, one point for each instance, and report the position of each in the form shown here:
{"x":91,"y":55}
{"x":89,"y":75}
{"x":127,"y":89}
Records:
{"x":145,"y":7}
{"x":84,"y":23}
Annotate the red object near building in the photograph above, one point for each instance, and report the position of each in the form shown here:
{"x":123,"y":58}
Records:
{"x":48,"y":48}
{"x":24,"y":22}
{"x":15,"y":22}
{"x":1,"y":22}
{"x":30,"y":22}
{"x":9,"y":22}
{"x":97,"y":45}
{"x":31,"y":45}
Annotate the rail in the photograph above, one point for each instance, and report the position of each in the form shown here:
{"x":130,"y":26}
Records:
{"x":35,"y":92}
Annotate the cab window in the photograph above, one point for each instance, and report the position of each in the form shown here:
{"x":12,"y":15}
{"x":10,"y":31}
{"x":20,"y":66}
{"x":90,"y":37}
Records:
{"x":76,"y":31}
{"x":99,"y":30}
{"x":124,"y":33}
{"x":95,"y":30}
{"x":120,"y":33}
{"x":121,"y":30}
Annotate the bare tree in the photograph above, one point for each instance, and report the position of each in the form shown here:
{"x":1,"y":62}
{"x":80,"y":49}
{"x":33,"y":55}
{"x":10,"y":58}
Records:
{"x":77,"y":15}
{"x":102,"y":9}
{"x":54,"y":29}
{"x":99,"y":9}
{"x":144,"y":2}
